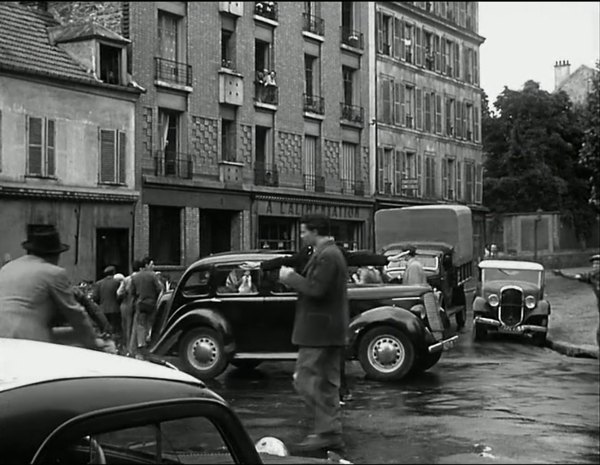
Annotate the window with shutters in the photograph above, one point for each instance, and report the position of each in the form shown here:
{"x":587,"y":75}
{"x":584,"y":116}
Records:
{"x":388,"y":169}
{"x":459,"y":181}
{"x":428,"y":111}
{"x":409,"y":42}
{"x":449,"y":113}
{"x":380,"y":177}
{"x":385,"y":96}
{"x":476,"y":116}
{"x":41,"y":156}
{"x":438,"y":113}
{"x":228,"y":145}
{"x":429,"y":51}
{"x":418,"y":46}
{"x":469,"y":182}
{"x":385,"y":34}
{"x":437,"y":48}
{"x":429,"y":176}
{"x":419,"y":108}
{"x":398,"y":171}
{"x":468,"y":57}
{"x":113,"y":145}
{"x":469,"y":120}
{"x":409,"y":102}
{"x":479,"y":184}
{"x":456,"y":57}
{"x":458,"y":133}
{"x":410,"y":181}
{"x":398,"y":48}
{"x":348,"y":164}
{"x":475,"y":68}
{"x":448,"y":178}
{"x":399,"y":104}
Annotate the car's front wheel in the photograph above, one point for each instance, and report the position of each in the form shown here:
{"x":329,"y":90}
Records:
{"x":202,"y":353}
{"x":386,"y":353}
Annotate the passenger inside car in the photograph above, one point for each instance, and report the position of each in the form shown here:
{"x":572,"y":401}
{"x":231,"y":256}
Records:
{"x":239,"y":281}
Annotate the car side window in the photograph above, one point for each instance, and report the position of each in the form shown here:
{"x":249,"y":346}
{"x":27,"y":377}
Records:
{"x":185,"y":440}
{"x":236,"y":279}
{"x":196,"y":283}
{"x":273,"y":285}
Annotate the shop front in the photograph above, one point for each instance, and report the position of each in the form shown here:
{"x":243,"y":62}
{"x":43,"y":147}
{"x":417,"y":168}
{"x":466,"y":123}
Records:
{"x":276,"y":221}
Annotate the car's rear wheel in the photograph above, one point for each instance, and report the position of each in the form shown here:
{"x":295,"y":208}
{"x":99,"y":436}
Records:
{"x":202,"y":353}
{"x":246,"y":364}
{"x":479,"y":332}
{"x":386,"y":353}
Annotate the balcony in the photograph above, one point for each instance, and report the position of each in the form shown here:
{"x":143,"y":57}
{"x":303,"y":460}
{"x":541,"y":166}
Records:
{"x":314,"y":183}
{"x":173,"y":164}
{"x":313,"y":24}
{"x":233,"y":8}
{"x":267,"y":95}
{"x":352,"y":38}
{"x":267,"y":10}
{"x":351,"y":187}
{"x":314,"y":104}
{"x":173,"y":72}
{"x":352,"y":113}
{"x":266,"y":174}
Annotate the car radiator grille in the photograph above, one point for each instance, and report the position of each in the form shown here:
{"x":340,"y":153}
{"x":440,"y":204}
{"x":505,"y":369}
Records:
{"x":511,"y":305}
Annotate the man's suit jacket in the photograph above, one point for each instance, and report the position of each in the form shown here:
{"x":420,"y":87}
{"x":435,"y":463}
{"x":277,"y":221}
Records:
{"x":105,"y":295}
{"x":145,"y":287}
{"x":322,"y":314}
{"x":34,"y":294}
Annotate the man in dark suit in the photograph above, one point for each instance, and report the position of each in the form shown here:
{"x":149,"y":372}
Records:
{"x":105,"y":295}
{"x":320,"y":331}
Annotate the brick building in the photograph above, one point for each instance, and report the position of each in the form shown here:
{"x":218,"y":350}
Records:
{"x":66,"y":139}
{"x":426,"y":146}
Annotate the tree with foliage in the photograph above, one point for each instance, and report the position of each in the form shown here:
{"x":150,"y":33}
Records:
{"x":531,"y":144}
{"x":589,"y":155}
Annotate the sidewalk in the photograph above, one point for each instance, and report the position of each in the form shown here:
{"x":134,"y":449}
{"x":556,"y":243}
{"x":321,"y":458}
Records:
{"x":574,"y":316}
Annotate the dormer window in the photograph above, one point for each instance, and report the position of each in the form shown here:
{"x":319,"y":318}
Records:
{"x":110,"y":64}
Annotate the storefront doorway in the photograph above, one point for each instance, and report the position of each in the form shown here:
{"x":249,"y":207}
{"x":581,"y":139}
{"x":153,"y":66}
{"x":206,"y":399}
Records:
{"x":215,"y":231}
{"x":112,"y":248}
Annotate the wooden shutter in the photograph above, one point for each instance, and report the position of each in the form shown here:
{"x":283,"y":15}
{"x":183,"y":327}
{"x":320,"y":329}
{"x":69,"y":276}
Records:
{"x":437,"y":51}
{"x":419,"y":108}
{"x":459,"y":180}
{"x":35,"y":143}
{"x":444,"y":55}
{"x":379,"y":26}
{"x":398,"y":167}
{"x":457,"y":120}
{"x":50,"y":148}
{"x":478,"y":184}
{"x":107,"y":155}
{"x":445,"y":178}
{"x":456,"y":70}
{"x":387,"y":100}
{"x":465,"y":128}
{"x":475,"y":68}
{"x":380,"y":186}
{"x":476,"y":124}
{"x":398,"y":104}
{"x":438,"y":113}
{"x":122,"y":158}
{"x":419,"y":176}
{"x":398,"y":45}
{"x":427,"y":111}
{"x":466,"y":69}
{"x":418,"y":47}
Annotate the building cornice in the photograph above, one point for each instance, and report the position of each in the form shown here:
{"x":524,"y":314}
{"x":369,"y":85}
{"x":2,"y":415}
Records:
{"x":41,"y":193}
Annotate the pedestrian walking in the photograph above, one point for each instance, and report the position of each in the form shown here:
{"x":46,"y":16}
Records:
{"x":320,"y":331}
{"x":593,"y":279}
{"x":145,"y":289}
{"x":127,"y":311}
{"x":414,"y":273}
{"x":35,"y":292}
{"x":105,"y":295}
{"x":92,"y":309}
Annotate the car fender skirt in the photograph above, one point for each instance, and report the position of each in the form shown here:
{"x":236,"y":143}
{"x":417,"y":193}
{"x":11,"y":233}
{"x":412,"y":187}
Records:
{"x":388,"y":316}
{"x":195,"y":319}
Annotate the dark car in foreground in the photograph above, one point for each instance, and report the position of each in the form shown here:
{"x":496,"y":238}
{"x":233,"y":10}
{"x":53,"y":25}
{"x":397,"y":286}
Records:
{"x":511,"y":300}
{"x":209,"y":323}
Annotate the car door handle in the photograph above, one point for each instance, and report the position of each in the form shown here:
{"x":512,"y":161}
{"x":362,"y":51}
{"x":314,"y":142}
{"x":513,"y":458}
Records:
{"x":215,"y":300}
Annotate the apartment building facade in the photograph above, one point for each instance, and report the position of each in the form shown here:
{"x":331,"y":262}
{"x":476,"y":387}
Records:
{"x":66,"y":140}
{"x":426,"y":140}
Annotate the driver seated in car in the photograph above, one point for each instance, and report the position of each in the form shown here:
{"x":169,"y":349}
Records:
{"x":240,"y":281}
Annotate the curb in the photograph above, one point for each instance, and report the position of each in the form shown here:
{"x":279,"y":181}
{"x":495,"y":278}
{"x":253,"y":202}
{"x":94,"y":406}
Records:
{"x":573,"y":350}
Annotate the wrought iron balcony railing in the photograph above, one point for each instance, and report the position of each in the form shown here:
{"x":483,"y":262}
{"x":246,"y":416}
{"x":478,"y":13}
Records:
{"x":352,"y":187}
{"x":174,"y":164}
{"x":173,"y":72}
{"x":266,"y":174}
{"x":352,"y":113}
{"x":313,"y":24}
{"x":267,"y":10}
{"x":266,"y":94}
{"x":352,"y":38}
{"x":314,"y":104}
{"x":314,"y":183}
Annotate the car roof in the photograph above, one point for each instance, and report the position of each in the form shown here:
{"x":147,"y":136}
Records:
{"x":257,"y":255}
{"x":512,"y":264}
{"x":24,"y":362}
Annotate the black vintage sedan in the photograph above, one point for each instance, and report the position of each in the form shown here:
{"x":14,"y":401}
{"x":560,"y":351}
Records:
{"x":226,"y":309}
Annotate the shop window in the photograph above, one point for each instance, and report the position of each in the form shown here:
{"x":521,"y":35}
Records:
{"x":346,"y":234}
{"x":165,"y":234}
{"x":276,"y":233}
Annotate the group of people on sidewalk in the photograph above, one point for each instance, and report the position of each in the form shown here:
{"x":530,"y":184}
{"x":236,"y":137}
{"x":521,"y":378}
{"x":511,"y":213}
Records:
{"x":36,"y":296}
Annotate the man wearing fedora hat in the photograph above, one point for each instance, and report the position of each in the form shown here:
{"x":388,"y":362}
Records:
{"x":593,"y":279}
{"x":35,"y":292}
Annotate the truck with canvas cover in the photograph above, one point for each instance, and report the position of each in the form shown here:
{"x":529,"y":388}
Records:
{"x":443,"y":237}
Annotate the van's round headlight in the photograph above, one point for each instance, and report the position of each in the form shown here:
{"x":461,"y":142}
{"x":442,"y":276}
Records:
{"x":493,"y":300}
{"x":530,"y":302}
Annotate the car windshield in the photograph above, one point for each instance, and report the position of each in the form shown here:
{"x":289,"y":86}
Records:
{"x":508,"y":274}
{"x":429,"y":262}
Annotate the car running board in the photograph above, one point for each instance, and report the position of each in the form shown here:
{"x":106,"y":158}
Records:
{"x":266,"y":356}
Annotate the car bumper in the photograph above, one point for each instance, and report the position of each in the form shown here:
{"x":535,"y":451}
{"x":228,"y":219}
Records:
{"x":444,"y":344}
{"x":515,"y":329}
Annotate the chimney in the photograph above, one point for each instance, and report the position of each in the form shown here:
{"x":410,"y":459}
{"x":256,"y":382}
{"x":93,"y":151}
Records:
{"x":562,"y":71}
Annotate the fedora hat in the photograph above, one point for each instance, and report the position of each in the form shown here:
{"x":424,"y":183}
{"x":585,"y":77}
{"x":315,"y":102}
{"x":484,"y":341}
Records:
{"x":44,"y":242}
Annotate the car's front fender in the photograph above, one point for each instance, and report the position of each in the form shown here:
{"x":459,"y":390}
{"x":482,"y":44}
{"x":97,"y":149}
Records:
{"x":200,"y":317}
{"x":479,"y":305}
{"x":542,"y":308}
{"x":397,"y":317}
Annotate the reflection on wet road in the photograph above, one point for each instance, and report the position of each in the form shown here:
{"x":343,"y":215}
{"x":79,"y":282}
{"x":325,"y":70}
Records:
{"x":498,"y":401}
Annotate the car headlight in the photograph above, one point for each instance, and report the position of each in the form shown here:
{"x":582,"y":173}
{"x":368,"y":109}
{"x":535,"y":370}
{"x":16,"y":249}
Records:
{"x":530,"y":302}
{"x":493,"y":300}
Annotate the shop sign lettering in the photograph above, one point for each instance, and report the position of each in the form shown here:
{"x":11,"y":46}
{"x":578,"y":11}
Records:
{"x":277,"y":208}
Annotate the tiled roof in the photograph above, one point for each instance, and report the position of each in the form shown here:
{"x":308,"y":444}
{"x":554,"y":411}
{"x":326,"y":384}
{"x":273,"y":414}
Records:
{"x":24,"y":45}
{"x":82,"y":31}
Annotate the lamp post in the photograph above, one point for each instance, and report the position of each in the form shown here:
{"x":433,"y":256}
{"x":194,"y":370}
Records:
{"x":537,"y":219}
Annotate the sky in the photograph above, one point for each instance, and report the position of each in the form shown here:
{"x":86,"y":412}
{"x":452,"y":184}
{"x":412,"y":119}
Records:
{"x":523,"y":40}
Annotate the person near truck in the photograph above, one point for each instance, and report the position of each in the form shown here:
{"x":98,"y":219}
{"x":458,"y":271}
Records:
{"x":414,"y":273}
{"x":593,"y":279}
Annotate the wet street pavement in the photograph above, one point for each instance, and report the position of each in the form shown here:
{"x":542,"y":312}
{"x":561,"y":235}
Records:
{"x":497,"y":401}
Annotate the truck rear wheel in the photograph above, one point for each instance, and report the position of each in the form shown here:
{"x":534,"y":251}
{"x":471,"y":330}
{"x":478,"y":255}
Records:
{"x":202,"y":353}
{"x":386,"y":353}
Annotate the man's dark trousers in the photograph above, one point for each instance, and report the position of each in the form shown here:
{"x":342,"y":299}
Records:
{"x":317,"y":381}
